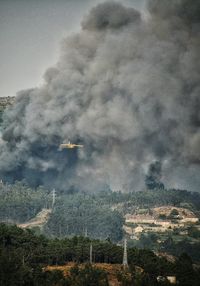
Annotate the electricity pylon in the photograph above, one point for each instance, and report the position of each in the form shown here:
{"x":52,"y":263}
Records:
{"x":125,"y":259}
{"x":91,"y":253}
{"x":53,"y":197}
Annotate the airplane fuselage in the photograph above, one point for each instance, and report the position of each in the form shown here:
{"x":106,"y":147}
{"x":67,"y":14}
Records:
{"x":69,"y":146}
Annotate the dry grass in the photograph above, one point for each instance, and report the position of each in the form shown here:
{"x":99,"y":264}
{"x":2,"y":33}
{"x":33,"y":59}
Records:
{"x":110,"y":269}
{"x":40,"y":219}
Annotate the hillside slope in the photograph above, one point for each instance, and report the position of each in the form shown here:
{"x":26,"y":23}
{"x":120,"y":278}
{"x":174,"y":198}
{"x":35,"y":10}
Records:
{"x":39,"y":220}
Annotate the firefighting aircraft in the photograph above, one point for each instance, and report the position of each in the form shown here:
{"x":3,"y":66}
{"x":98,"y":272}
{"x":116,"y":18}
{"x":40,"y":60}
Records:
{"x":69,"y":145}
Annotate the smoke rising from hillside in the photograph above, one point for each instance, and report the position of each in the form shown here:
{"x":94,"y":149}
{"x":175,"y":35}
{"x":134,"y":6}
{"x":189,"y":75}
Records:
{"x":126,"y":88}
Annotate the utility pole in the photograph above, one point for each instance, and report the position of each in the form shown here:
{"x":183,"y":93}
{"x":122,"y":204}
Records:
{"x":125,"y":260}
{"x":53,"y":197}
{"x":91,"y":253}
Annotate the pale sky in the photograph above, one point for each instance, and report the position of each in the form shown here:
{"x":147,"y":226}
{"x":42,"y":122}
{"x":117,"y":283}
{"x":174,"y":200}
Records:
{"x":30,"y":36}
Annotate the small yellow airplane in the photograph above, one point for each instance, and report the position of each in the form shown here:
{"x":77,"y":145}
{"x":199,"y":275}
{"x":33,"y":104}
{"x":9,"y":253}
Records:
{"x":69,"y":145}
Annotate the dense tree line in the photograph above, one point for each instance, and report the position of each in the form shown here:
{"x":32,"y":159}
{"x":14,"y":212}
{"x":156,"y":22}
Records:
{"x":169,"y":244}
{"x":19,"y":202}
{"x":23,"y":256}
{"x":150,"y":198}
{"x":94,"y":214}
{"x":84,"y":214}
{"x":192,"y":249}
{"x":21,"y":195}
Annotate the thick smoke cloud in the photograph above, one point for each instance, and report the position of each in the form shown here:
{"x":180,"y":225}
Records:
{"x":126,"y":88}
{"x":154,"y":176}
{"x":109,"y":15}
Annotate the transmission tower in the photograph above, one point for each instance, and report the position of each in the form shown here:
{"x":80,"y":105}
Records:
{"x":125,"y":260}
{"x":53,"y":197}
{"x":91,"y":253}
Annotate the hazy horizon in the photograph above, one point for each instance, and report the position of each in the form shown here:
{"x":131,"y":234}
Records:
{"x":30,"y":35}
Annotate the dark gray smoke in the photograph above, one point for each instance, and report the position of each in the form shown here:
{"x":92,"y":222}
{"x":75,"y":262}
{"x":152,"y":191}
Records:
{"x":127,"y":87}
{"x":154,"y":175}
{"x":110,"y":15}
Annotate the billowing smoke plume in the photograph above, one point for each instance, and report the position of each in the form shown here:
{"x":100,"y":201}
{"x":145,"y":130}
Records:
{"x":153,"y":177}
{"x":126,"y":87}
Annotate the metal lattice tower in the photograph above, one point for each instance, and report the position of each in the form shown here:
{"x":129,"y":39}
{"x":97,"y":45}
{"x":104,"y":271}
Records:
{"x":125,"y":259}
{"x":91,"y":253}
{"x":53,"y":197}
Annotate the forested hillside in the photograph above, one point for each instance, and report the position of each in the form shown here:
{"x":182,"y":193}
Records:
{"x":85,"y":214}
{"x":24,"y":257}
{"x":101,"y":215}
{"x":19,"y":202}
